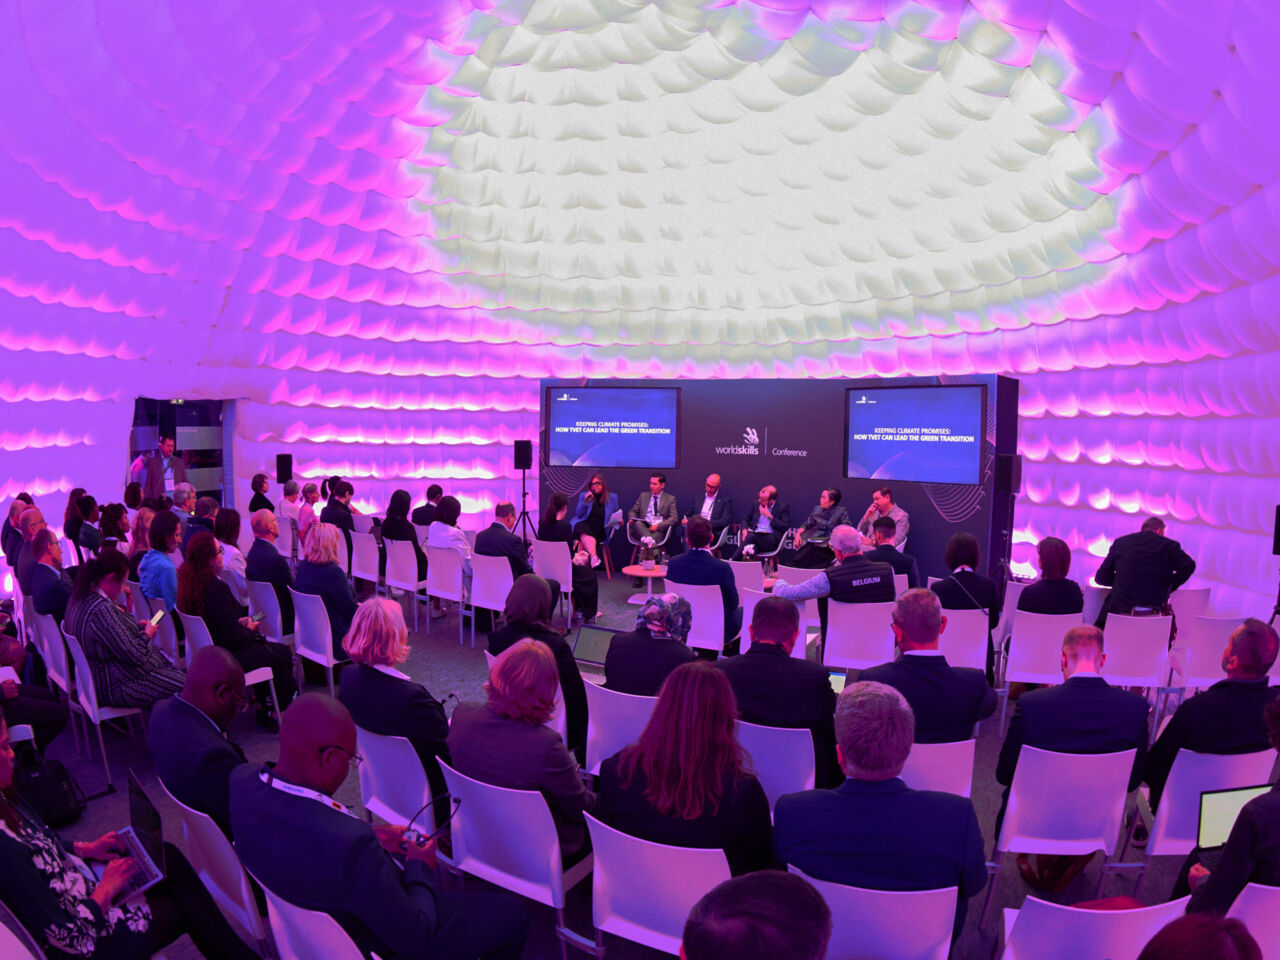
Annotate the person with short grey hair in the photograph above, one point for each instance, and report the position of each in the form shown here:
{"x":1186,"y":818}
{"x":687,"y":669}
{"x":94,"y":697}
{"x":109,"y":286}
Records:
{"x":853,"y":579}
{"x":289,"y":504}
{"x":184,"y":501}
{"x":874,"y":831}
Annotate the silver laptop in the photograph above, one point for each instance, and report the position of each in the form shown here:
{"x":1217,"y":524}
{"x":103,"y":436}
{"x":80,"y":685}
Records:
{"x":143,"y":840}
{"x":1218,"y":812}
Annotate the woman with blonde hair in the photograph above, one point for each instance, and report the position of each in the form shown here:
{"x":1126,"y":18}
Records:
{"x":505,"y":742}
{"x":320,"y":574}
{"x":139,"y":542}
{"x":307,"y":511}
{"x":384,"y":700}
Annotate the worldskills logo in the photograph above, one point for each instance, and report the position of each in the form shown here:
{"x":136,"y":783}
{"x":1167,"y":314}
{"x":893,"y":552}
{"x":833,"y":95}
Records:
{"x":748,"y":448}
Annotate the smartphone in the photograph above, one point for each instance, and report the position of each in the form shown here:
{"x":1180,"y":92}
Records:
{"x":258,"y":617}
{"x":157,"y":617}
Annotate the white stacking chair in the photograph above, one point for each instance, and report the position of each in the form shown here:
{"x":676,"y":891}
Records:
{"x":344,"y":553}
{"x":87,"y":695}
{"x":1189,"y":603}
{"x":1048,"y":931}
{"x":220,"y":870}
{"x":796,"y":575}
{"x":614,"y":720}
{"x":136,"y":597}
{"x":706,"y":615}
{"x":1137,"y":650}
{"x":900,"y":584}
{"x":302,"y":934}
{"x":553,"y":560}
{"x":887,"y":924}
{"x":643,"y":891}
{"x":964,"y":641}
{"x":859,"y":635}
{"x":1202,"y":641}
{"x":263,"y":599}
{"x":782,"y":758}
{"x":363,"y":522}
{"x":945,"y":767}
{"x":1094,"y":597}
{"x":402,"y":573}
{"x":166,"y":638}
{"x":491,"y":581}
{"x":364,"y":558}
{"x":508,"y":838}
{"x":747,"y":575}
{"x":15,"y":942}
{"x":312,"y":635}
{"x":446,"y":582}
{"x":198,"y":637}
{"x":1035,"y":651}
{"x":1258,"y":908}
{"x":1064,"y":803}
{"x":54,"y":649}
{"x":287,"y":542}
{"x":393,"y":784}
{"x":559,"y":720}
{"x":1004,"y":627}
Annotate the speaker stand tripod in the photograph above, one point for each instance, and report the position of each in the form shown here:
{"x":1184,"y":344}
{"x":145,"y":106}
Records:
{"x":524,"y":525}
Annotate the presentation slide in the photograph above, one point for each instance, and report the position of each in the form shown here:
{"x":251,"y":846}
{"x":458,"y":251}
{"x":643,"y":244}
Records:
{"x":613,"y":427}
{"x":924,"y":434}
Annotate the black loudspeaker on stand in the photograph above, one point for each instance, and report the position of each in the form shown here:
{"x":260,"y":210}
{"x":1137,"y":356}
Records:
{"x":523,"y":458}
{"x":284,"y":467}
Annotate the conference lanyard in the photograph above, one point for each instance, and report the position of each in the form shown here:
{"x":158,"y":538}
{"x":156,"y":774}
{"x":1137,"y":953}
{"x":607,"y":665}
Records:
{"x":296,"y":791}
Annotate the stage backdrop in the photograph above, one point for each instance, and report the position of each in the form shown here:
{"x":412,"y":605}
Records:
{"x":791,"y":433}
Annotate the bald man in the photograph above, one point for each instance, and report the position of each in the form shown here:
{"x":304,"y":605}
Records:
{"x":187,"y":733}
{"x":264,"y":563}
{"x":713,"y":505}
{"x":308,"y":849}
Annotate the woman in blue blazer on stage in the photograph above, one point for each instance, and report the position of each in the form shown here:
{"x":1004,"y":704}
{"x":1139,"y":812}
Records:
{"x":594,"y":517}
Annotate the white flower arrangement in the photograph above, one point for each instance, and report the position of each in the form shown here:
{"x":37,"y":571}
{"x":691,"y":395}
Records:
{"x":647,"y":541}
{"x":749,"y":550}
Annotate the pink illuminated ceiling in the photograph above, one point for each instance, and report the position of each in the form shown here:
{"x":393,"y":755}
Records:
{"x":376,"y":225}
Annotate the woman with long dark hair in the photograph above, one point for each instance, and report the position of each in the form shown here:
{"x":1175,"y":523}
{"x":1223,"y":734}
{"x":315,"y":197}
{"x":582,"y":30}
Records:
{"x":686,"y":781}
{"x":71,"y":519}
{"x":89,"y":536}
{"x":337,"y":509}
{"x":226,"y":529}
{"x":586,"y":588}
{"x":114,"y":524}
{"x":594,"y":516}
{"x":396,"y":526}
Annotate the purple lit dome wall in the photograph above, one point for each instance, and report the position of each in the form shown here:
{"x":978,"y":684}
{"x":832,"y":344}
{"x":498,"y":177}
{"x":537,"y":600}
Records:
{"x":375,"y":224}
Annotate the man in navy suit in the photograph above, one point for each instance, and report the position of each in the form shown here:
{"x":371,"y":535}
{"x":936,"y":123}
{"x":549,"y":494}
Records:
{"x":713,"y":506}
{"x":265,"y":564}
{"x":873,"y":830}
{"x":947,"y":701}
{"x":309,"y":850}
{"x":700,"y":568}
{"x":497,"y":540}
{"x":187,"y":734}
{"x":422,"y":515}
{"x":767,"y":522}
{"x":50,"y":585}
{"x":883,"y":530}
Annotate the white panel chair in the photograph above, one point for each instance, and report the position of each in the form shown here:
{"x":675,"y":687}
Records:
{"x":508,"y":838}
{"x":1004,"y":627}
{"x":393,"y":784}
{"x":964,"y":641}
{"x":553,"y":560}
{"x":263,"y":599}
{"x":1258,"y":908}
{"x":749,"y":599}
{"x":1094,"y":597}
{"x":559,"y":721}
{"x":198,"y":637}
{"x":706,"y":616}
{"x":446,"y":582}
{"x":344,"y":553}
{"x":946,"y":767}
{"x":491,"y":581}
{"x":795,"y":575}
{"x":643,"y":891}
{"x":287,"y":542}
{"x":747,"y":575}
{"x":166,"y":638}
{"x":364,"y":558}
{"x":302,"y":934}
{"x":220,"y":870}
{"x":782,"y":758}
{"x":402,"y":574}
{"x":15,"y":942}
{"x":859,"y":635}
{"x":1047,"y":931}
{"x":54,"y":650}
{"x":363,"y":522}
{"x":312,"y":635}
{"x":1064,"y":803}
{"x":87,"y":695}
{"x":1202,"y":640}
{"x":1137,"y":649}
{"x":139,"y":601}
{"x":614,"y":720}
{"x":1189,"y":603}
{"x":887,"y":924}
{"x":899,"y":584}
{"x":1035,"y":651}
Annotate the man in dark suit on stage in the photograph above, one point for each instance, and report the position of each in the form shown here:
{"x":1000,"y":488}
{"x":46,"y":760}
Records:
{"x":654,"y":511}
{"x":309,"y":850}
{"x":883,"y":530}
{"x":423,"y":515}
{"x":187,"y":734}
{"x":638,"y":662}
{"x":1142,"y":569}
{"x":713,"y":506}
{"x":700,"y":568}
{"x":874,"y":831}
{"x":264,"y":564}
{"x":775,"y":689}
{"x":767,"y":522}
{"x":50,"y":584}
{"x":497,"y":540}
{"x":1226,"y":718}
{"x":947,"y":701}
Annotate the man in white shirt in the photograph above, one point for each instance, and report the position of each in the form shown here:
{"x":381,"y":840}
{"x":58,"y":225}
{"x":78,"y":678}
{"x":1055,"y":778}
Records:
{"x":289,"y":506}
{"x":713,"y":506}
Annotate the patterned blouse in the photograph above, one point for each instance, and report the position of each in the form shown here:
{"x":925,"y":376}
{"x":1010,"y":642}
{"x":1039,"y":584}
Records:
{"x":128,"y":668}
{"x":823,"y":520}
{"x":48,"y":890}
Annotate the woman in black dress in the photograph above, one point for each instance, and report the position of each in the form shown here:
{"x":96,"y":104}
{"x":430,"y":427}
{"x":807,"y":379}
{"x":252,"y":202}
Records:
{"x":397,"y":527}
{"x":586,"y":588}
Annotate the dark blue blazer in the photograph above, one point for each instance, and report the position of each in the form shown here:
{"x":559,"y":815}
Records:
{"x":946,"y":700}
{"x":721,"y":511}
{"x":322,"y":859}
{"x":700,"y":568}
{"x":264,"y":563}
{"x":381,"y":703}
{"x":192,"y":758}
{"x":637,"y":662}
{"x":50,"y":591}
{"x":883,"y":835}
{"x":901,"y":563}
{"x":496,"y":540}
{"x":330,"y":584}
{"x":1083,"y":715}
{"x":193,"y":526}
{"x":583,"y":508}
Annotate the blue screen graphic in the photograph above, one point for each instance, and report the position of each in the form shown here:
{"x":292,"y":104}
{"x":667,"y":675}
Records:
{"x":612,"y":426}
{"x":922,"y":434}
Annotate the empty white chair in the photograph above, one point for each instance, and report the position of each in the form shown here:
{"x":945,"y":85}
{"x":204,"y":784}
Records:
{"x":364,"y":557}
{"x":643,"y":891}
{"x":964,"y":641}
{"x":1189,"y":603}
{"x":946,"y":767}
{"x":312,"y":635}
{"x":1136,"y":650}
{"x":782,"y":758}
{"x":1202,"y":641}
{"x":899,"y":584}
{"x":166,"y":638}
{"x":393,"y":784}
{"x":87,"y":695}
{"x":747,"y":575}
{"x":491,"y":581}
{"x":1000,"y":635}
{"x":1258,"y":908}
{"x":706,"y":615}
{"x":887,"y":924}
{"x":402,"y":573}
{"x":54,"y":650}
{"x":136,"y":598}
{"x":553,"y":560}
{"x":302,"y":934}
{"x":1047,"y":931}
{"x":508,"y":838}
{"x":859,"y":635}
{"x":445,"y":581}
{"x":614,"y":720}
{"x":287,"y":542}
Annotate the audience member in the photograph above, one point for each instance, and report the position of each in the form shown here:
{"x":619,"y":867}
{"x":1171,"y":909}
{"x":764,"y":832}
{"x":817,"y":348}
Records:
{"x":88,"y":535}
{"x":854,"y":578}
{"x":164,"y":472}
{"x":187,"y":734}
{"x":319,"y":574}
{"x":767,"y":523}
{"x":760,"y":916}
{"x":497,"y":540}
{"x":30,"y":522}
{"x":264,"y":564}
{"x":966,"y":589}
{"x":128,"y":669}
{"x":290,"y":502}
{"x":10,"y":538}
{"x":422,"y":516}
{"x":528,"y":613}
{"x":140,"y":540}
{"x":384,"y":700}
{"x":947,"y":701}
{"x":396,"y":526}
{"x":817,"y":530}
{"x":506,"y":742}
{"x":586,"y":588}
{"x":206,"y":512}
{"x":443,"y":534}
{"x":654,"y":512}
{"x":775,"y":689}
{"x":157,"y":574}
{"x":70,"y":914}
{"x":226,"y":529}
{"x":714,"y":506}
{"x":883,"y":508}
{"x":1226,"y":718}
{"x":1200,"y":936}
{"x":259,"y":500}
{"x":307,"y":512}
{"x":700,"y":567}
{"x":874,"y":831}
{"x":114,"y":527}
{"x":686,"y":782}
{"x":638,"y":662}
{"x":184,"y":503}
{"x":375,"y":882}
{"x":596,"y":515}
{"x":50,"y":585}
{"x":883,"y":530}
{"x":71,"y":518}
{"x":1053,"y":593}
{"x":132,"y":498}
{"x":35,"y":706}
{"x":201,"y":593}
{"x":337,"y":509}
{"x":1142,"y":569}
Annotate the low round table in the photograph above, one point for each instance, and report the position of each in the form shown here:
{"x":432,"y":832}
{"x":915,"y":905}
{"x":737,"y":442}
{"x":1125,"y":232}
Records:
{"x":635,"y":570}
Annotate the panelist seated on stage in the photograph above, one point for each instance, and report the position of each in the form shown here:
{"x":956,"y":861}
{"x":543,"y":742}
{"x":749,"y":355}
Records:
{"x":811,"y":539}
{"x":596,"y":514}
{"x":654,"y":511}
{"x":882,"y":550}
{"x":713,"y":506}
{"x":882,"y":505}
{"x":700,"y":567}
{"x":767,"y":523}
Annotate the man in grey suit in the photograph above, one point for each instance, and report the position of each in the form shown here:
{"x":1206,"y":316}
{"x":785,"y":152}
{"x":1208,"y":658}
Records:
{"x":654,"y":513}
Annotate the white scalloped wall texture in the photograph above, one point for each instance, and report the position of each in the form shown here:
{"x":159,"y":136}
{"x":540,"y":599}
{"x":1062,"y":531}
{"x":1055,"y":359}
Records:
{"x":376,"y":223}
